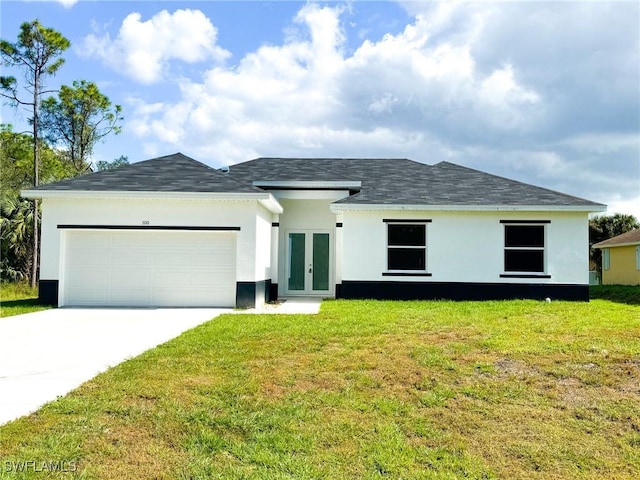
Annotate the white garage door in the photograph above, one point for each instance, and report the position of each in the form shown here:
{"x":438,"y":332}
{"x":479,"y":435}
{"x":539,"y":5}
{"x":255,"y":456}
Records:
{"x":149,"y":268}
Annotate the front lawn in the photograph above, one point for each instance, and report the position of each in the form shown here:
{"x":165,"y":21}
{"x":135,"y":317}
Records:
{"x":365,"y":389}
{"x":18,"y":298}
{"x":617,"y":293}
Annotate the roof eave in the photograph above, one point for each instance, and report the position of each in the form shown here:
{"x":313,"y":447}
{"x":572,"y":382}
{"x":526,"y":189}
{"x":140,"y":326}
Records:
{"x":308,"y":185}
{"x":342,"y":207}
{"x":266,"y":199}
{"x":604,"y":244}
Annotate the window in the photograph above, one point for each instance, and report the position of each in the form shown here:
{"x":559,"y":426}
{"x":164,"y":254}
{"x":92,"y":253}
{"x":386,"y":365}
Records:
{"x":606,"y":262}
{"x":524,"y":248}
{"x":638,"y":258}
{"x":407,"y":247}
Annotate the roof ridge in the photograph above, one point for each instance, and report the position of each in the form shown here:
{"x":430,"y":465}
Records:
{"x":208,"y":167}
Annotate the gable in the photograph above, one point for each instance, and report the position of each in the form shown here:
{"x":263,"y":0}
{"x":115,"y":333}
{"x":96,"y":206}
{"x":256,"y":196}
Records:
{"x":170,"y":173}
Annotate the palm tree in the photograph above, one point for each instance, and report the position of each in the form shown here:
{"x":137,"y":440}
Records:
{"x":16,"y":233}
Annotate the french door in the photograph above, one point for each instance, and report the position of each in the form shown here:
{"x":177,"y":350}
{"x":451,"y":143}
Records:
{"x":309,"y":262}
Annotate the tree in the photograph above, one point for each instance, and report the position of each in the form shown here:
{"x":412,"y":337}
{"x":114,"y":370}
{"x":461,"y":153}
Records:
{"x":16,"y":161}
{"x":118,"y":162}
{"x":602,"y":228}
{"x":79,"y":118}
{"x":37,"y":53}
{"x":16,"y":213}
{"x":16,"y":230}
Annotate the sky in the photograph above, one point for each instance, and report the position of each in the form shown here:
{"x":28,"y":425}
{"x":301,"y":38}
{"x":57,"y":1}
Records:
{"x":546,"y":93}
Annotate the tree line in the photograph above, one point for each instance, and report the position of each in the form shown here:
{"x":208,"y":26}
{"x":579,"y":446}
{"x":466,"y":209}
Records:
{"x":65,"y":125}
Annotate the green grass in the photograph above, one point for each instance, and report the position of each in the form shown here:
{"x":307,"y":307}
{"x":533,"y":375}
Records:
{"x":616,"y":293}
{"x":365,"y":389}
{"x":18,"y":298}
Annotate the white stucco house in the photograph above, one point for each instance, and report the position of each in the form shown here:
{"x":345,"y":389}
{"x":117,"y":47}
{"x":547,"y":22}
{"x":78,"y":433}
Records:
{"x":172,"y":231}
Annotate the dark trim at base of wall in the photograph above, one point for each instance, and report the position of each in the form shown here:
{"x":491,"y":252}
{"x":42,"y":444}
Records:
{"x":461,"y":291}
{"x":48,"y":292}
{"x":338,"y":290}
{"x":247,"y":293}
{"x":273,"y":291}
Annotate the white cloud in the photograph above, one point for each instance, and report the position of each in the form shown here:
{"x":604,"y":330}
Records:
{"x":629,"y":206}
{"x":449,"y":86}
{"x":143,"y":50}
{"x":309,"y":90}
{"x":67,"y":3}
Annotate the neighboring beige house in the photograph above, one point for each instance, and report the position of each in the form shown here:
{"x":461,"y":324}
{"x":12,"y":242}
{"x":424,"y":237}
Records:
{"x":621,"y":259}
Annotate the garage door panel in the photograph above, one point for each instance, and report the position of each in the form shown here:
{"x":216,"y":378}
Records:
{"x":86,"y":239}
{"x":133,"y":256}
{"x":166,"y":296}
{"x":197,"y":297}
{"x":120,"y":296}
{"x":160,"y":268}
{"x":88,"y":276}
{"x":128,"y":277}
{"x":90,"y":296}
{"x":172,"y":277}
{"x":128,"y":239}
{"x":172,"y":259}
{"x":87,"y":256}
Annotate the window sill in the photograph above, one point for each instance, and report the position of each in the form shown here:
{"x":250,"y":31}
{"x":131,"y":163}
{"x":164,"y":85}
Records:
{"x":405,"y":274}
{"x":524,"y":275}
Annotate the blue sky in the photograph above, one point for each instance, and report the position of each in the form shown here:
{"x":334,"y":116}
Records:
{"x":543,"y":92}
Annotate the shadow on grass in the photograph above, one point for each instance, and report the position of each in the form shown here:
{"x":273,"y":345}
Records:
{"x":25,"y":302}
{"x":616,"y":293}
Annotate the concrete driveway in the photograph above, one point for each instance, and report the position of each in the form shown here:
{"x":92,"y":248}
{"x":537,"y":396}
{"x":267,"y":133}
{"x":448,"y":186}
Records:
{"x":47,"y":354}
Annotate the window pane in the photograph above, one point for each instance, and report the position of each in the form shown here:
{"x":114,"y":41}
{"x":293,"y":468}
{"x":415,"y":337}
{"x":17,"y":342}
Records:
{"x":406,"y":259}
{"x":320,"y":261}
{"x":524,"y":236}
{"x":524,"y":261}
{"x":407,"y":235}
{"x":296,"y":259}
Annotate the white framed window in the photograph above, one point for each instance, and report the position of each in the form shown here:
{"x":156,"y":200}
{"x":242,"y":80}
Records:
{"x":525,"y":248}
{"x":638,"y":257}
{"x":606,"y":259}
{"x":407,"y":246}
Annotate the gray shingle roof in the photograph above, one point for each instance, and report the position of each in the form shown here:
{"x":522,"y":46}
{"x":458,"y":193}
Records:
{"x":401,"y":181}
{"x":385,"y":181}
{"x":171,"y":173}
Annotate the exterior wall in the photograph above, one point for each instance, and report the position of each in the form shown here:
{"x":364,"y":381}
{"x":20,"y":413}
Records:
{"x":253,"y":258}
{"x":339,"y":252}
{"x":622,"y":267}
{"x":275,"y":248}
{"x":465,"y":247}
{"x":263,"y":270}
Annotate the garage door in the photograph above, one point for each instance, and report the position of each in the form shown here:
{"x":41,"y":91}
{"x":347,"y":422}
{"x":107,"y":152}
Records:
{"x":149,"y":268}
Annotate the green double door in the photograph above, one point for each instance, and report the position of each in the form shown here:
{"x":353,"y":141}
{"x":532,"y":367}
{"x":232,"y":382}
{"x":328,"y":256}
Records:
{"x":309,"y":262}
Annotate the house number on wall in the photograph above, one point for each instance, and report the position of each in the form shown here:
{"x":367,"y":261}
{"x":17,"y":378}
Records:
{"x":145,"y":222}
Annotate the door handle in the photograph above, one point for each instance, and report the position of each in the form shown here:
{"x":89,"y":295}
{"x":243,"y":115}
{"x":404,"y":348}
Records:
{"x":310,"y":269}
